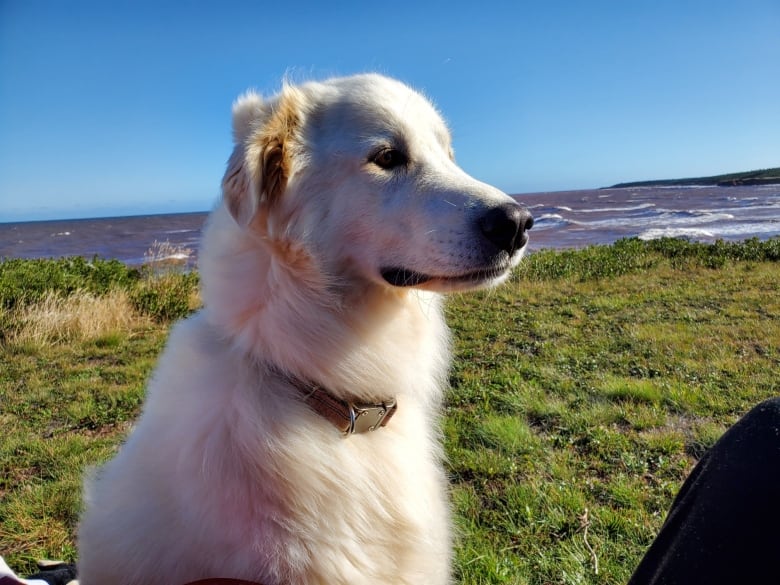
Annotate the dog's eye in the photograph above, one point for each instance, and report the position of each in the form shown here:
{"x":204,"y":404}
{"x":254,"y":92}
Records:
{"x":389,"y":158}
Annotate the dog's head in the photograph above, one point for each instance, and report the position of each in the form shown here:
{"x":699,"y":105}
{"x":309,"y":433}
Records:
{"x":357,"y":177}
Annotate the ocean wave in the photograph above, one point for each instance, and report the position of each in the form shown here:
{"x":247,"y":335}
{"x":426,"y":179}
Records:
{"x":174,"y":257}
{"x":60,"y":234}
{"x":658,"y":233}
{"x":751,"y":208}
{"x":720,"y":231}
{"x":662,"y":218}
{"x":548,"y":221}
{"x":766,"y":228}
{"x":696,"y":215}
{"x":611,"y":209}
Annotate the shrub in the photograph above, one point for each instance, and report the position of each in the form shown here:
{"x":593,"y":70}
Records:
{"x":166,"y":297}
{"x":623,"y":257}
{"x":24,"y":281}
{"x":633,"y":255}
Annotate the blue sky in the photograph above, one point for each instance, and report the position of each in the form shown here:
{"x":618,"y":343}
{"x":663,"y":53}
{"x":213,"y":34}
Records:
{"x":116,"y":107}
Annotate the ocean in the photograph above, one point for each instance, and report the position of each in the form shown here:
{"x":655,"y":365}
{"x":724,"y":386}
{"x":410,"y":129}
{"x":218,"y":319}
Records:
{"x":575,"y":219}
{"x":565,"y":219}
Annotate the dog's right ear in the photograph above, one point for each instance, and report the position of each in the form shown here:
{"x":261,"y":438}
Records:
{"x":259,"y":167}
{"x":237,"y":188}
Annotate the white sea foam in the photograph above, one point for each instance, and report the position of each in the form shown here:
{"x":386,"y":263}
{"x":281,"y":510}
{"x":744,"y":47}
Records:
{"x":548,"y":221}
{"x":60,"y":234}
{"x":726,"y":230}
{"x":767,"y":228}
{"x":664,"y":218}
{"x":751,"y":208}
{"x":657,"y":233}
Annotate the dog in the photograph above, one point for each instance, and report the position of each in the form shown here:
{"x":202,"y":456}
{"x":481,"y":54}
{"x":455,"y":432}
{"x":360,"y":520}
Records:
{"x":289,"y":434}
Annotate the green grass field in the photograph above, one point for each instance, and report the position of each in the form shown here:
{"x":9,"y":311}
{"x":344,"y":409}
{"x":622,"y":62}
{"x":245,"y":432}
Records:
{"x":582,"y":393}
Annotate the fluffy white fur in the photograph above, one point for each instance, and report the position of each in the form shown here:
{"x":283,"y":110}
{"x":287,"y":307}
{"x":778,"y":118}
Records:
{"x":228,"y":473}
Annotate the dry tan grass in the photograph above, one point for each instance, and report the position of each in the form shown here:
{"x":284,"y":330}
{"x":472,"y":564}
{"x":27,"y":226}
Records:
{"x":79,"y":316}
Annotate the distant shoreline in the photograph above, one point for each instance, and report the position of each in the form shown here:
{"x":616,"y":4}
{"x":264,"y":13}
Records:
{"x":758,"y":177}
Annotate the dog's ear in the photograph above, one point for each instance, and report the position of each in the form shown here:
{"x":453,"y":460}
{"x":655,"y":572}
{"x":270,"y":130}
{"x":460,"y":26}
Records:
{"x":260,"y":165}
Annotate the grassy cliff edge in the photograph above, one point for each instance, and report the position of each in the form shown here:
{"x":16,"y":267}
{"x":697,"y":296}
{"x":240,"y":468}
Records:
{"x":757,"y":177}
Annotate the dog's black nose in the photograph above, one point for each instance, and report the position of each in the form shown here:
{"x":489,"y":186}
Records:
{"x":505,"y":226}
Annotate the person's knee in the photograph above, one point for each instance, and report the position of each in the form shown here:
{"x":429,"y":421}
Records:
{"x":766,"y":414}
{"x":755,"y":436}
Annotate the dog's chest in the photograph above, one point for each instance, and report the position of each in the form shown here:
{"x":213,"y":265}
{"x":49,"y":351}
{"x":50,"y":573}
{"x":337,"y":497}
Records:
{"x":367,"y":508}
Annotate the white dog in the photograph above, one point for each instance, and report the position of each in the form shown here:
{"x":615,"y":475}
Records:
{"x":290,"y":430}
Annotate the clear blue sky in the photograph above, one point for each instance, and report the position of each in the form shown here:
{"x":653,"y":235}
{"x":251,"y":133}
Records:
{"x":114,"y":107}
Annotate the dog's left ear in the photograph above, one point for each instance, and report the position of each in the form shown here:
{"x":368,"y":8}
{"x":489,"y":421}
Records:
{"x":260,"y":165}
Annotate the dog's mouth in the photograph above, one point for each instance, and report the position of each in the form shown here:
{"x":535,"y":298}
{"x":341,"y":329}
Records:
{"x":405,"y":278}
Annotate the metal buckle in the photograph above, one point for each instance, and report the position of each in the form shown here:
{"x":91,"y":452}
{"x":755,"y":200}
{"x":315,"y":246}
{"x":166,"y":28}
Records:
{"x":368,"y":417}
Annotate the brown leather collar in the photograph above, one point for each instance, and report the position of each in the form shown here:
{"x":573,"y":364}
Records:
{"x":347,"y":417}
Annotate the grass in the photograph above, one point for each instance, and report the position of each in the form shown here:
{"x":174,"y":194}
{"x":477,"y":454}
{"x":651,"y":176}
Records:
{"x":582,"y":393}
{"x":76,"y":317}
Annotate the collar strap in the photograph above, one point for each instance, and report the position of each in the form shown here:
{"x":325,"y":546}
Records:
{"x":351,"y":417}
{"x":347,"y":417}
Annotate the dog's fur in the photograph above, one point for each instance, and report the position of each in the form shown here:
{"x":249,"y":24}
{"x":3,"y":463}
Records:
{"x":305,"y":266}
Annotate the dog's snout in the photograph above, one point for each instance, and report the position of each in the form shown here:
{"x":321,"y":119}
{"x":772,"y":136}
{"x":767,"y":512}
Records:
{"x":505,"y":226}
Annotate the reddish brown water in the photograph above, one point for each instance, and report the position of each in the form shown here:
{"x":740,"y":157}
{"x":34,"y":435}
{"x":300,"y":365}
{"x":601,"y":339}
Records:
{"x":569,"y":219}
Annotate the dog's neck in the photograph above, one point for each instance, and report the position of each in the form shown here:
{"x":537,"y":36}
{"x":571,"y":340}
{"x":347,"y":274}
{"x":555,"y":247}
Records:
{"x":348,"y":417}
{"x":350,"y":339}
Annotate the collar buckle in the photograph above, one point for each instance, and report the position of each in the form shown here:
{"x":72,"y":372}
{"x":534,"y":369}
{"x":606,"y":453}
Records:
{"x":369,"y":417}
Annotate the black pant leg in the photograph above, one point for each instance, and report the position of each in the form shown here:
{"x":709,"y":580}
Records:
{"x":724,"y":525}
